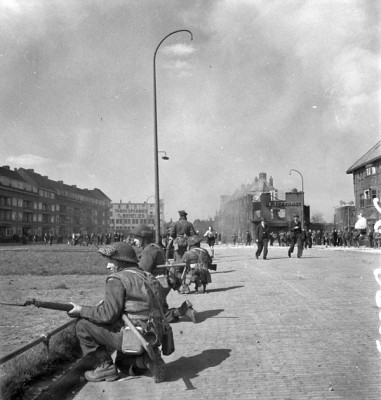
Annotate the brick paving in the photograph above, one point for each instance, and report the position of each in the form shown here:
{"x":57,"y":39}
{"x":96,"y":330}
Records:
{"x":280,"y":328}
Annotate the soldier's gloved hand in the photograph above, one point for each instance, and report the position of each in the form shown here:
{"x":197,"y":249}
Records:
{"x":75,"y":312}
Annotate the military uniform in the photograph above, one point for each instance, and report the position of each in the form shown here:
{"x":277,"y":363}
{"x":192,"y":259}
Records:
{"x":180,"y":232}
{"x":100,"y":327}
{"x":197,"y":261}
{"x":149,"y":257}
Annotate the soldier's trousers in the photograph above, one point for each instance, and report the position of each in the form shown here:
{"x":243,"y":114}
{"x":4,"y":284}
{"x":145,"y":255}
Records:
{"x":92,"y":335}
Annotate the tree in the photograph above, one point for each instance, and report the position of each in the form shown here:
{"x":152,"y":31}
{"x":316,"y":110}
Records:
{"x":317,"y":218}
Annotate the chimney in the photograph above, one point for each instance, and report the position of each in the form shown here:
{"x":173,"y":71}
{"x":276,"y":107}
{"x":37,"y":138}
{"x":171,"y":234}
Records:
{"x":60,"y":182}
{"x":271,"y":182}
{"x":74,"y":186}
{"x":45,"y":176}
{"x":30,"y":170}
{"x":6,"y":167}
{"x":262,"y":176}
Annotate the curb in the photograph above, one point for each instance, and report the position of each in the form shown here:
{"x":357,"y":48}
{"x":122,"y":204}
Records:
{"x":60,"y":388}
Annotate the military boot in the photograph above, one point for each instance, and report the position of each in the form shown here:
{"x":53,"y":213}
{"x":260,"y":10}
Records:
{"x":187,"y":309}
{"x":184,"y":289}
{"x":157,"y":368}
{"x":124,"y":362}
{"x":105,"y":370}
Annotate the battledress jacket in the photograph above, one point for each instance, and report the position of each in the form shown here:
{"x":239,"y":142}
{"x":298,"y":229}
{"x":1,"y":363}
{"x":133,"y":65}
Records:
{"x":126,"y":292}
{"x":181,"y":227}
{"x":196,"y":255}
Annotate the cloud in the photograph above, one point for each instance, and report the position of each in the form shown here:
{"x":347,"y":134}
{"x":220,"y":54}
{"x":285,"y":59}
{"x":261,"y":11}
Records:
{"x":28,"y":160}
{"x":179,"y":49}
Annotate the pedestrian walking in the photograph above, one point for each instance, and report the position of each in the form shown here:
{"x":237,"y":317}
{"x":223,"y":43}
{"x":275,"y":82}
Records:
{"x":262,"y":236}
{"x":211,"y":238}
{"x":356,"y":238}
{"x":248,"y":238}
{"x":296,"y":236}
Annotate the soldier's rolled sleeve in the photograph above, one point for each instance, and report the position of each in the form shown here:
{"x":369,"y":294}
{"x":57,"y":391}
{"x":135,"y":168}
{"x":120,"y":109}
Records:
{"x":112,"y":308}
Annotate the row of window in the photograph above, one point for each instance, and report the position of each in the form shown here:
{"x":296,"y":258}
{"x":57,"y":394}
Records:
{"x":7,"y":215}
{"x":38,"y":205}
{"x":17,"y":184}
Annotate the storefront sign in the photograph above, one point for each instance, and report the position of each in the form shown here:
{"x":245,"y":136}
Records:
{"x":284,"y":204}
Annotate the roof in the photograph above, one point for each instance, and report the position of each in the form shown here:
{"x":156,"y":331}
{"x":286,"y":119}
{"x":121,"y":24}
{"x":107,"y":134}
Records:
{"x":372,"y":155}
{"x":8,"y":173}
{"x":55,"y":186}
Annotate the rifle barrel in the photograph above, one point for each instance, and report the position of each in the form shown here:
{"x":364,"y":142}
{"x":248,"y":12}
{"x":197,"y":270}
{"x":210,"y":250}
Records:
{"x":53,"y":306}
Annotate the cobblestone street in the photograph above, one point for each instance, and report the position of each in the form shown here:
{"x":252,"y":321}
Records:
{"x":272,"y":329}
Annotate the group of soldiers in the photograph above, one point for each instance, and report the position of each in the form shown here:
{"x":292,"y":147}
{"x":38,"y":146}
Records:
{"x":133,"y":318}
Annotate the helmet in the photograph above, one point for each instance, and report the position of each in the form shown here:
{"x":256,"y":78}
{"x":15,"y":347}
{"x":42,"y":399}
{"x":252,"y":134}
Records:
{"x":142,"y":231}
{"x":120,"y":251}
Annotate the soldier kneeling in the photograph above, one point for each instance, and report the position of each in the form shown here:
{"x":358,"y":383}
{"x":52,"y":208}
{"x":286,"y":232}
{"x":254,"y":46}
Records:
{"x":129,"y":292}
{"x":197,"y":261}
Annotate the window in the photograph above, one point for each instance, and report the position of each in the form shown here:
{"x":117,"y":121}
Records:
{"x":370,"y":171}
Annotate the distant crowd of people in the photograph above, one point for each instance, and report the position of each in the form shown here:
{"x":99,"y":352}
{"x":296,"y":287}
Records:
{"x":331,"y":238}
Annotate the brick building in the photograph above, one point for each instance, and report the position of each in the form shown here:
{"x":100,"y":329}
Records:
{"x":242,"y":211}
{"x":367,"y":183}
{"x":345,"y":216}
{"x":34,"y":204}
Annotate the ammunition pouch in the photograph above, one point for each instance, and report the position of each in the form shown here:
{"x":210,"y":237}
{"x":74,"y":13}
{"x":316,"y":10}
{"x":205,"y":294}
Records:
{"x":167,"y":341}
{"x":180,"y":241}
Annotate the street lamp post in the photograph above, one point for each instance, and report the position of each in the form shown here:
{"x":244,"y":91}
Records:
{"x":302,"y":194}
{"x":156,"y":152}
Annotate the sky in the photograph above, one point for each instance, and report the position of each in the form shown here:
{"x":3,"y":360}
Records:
{"x":264,"y":86}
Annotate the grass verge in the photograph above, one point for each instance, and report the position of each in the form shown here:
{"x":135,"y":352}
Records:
{"x":39,"y":362}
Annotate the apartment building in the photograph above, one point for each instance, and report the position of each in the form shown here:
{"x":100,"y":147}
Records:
{"x":34,"y":204}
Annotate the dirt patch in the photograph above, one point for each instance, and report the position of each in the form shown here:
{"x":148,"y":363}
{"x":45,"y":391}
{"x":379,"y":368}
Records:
{"x":21,"y":325}
{"x":57,"y":273}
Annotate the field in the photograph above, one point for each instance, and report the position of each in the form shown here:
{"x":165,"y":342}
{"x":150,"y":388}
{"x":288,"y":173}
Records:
{"x":57,"y":273}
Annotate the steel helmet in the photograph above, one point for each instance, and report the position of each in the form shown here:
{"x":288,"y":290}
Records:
{"x":142,"y":231}
{"x":120,"y":251}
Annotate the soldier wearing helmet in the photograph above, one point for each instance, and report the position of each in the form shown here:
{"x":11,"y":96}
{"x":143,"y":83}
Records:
{"x":197,"y":260}
{"x":100,"y":327}
{"x":150,"y":255}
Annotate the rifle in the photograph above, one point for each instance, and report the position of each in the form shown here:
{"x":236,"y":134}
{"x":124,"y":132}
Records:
{"x":162,"y":269}
{"x":42,"y":304}
{"x":67,"y":307}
